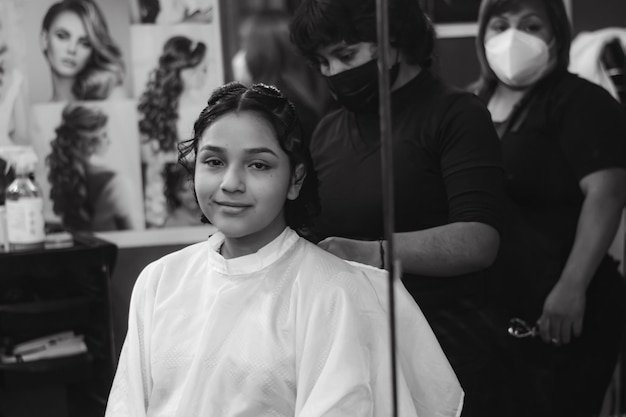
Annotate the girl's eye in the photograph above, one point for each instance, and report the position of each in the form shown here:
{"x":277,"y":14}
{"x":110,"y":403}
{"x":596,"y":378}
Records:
{"x":213,"y":162}
{"x":259,"y":165}
{"x":62,"y":35}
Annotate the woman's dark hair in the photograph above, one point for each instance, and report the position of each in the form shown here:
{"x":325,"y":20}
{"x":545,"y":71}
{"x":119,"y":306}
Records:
{"x":105,"y":68}
{"x":76,"y":140}
{"x":158,"y":105}
{"x":270,"y":104}
{"x":558,"y":20}
{"x":319,"y":23}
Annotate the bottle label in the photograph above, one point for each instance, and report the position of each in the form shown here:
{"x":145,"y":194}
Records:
{"x":25,"y":223}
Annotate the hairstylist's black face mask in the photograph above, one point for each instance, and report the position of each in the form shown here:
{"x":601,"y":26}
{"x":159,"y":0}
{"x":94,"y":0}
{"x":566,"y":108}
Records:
{"x":357,"y":88}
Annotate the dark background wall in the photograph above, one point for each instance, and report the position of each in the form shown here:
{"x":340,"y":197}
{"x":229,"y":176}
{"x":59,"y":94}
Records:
{"x":597,"y":14}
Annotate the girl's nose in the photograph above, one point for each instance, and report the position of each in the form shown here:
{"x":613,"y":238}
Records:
{"x":233,"y":180}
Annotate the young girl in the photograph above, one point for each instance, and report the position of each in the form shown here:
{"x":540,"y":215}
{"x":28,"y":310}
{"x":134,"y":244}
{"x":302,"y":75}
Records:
{"x":257,"y":321}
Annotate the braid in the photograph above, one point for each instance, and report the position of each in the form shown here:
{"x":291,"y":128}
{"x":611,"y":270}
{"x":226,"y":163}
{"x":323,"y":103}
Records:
{"x":159,"y":108}
{"x":158,"y":105}
{"x":67,"y":162}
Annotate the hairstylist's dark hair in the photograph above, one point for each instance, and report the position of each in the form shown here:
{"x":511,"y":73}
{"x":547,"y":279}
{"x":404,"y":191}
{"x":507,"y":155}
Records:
{"x":270,"y":104}
{"x":158,"y":104}
{"x":75,"y":141}
{"x":558,"y":20}
{"x":319,"y":23}
{"x":105,"y":68}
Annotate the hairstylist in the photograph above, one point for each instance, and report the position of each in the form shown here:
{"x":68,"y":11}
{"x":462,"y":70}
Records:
{"x":447,"y":172}
{"x":564,"y":150}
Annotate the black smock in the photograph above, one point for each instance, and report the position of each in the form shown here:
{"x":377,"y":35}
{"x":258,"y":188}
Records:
{"x":447,"y":168}
{"x":565,"y":129}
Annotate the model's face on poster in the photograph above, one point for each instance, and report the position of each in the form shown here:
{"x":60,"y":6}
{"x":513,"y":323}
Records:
{"x":66,"y":45}
{"x":195,"y":78}
{"x":103,"y":143}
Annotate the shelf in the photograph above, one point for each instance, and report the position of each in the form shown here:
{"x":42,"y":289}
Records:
{"x":45,"y":316}
{"x":50,"y":290}
{"x":46,"y":372}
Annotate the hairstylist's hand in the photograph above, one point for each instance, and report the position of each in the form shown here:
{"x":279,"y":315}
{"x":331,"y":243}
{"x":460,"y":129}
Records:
{"x":563,"y":312}
{"x":363,"y":251}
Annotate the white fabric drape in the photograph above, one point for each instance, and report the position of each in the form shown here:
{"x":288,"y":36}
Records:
{"x":288,"y":331}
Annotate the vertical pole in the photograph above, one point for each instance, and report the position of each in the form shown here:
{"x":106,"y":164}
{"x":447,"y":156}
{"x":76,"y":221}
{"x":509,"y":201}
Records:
{"x":382,"y":20}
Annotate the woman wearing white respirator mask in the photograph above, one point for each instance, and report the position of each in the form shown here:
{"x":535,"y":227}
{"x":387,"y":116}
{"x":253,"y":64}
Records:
{"x":564,"y":152}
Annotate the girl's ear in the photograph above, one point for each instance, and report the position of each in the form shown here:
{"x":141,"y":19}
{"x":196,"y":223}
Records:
{"x":297,"y":179}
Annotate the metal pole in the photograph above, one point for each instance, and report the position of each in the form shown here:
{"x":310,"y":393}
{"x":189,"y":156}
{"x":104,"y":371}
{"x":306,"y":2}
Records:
{"x":382,"y":20}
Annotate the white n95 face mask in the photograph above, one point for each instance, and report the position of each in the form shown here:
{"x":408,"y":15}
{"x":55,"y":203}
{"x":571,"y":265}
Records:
{"x":517,"y":58}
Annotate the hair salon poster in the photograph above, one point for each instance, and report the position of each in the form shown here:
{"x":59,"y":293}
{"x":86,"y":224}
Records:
{"x":104,"y":90}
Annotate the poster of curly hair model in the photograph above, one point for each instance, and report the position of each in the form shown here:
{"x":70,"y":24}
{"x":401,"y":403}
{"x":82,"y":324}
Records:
{"x":172,"y":11}
{"x":175,"y":68}
{"x":87,"y":167}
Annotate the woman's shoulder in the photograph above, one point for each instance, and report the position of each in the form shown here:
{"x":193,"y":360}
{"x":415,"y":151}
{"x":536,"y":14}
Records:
{"x":568,"y":86}
{"x":443,"y":99}
{"x":568,"y":96}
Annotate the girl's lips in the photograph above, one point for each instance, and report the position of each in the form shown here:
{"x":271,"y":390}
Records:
{"x":233,"y":208}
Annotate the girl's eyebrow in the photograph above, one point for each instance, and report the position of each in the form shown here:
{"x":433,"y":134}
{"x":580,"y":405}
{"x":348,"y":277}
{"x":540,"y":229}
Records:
{"x":252,"y":151}
{"x":261,"y":150}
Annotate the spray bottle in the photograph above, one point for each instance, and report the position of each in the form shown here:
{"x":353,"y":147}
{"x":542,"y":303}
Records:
{"x":24,"y":203}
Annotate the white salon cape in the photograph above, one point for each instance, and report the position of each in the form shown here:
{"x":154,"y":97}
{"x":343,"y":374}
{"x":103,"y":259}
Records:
{"x":288,"y":331}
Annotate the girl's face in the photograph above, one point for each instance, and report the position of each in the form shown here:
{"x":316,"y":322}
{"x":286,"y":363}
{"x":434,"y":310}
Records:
{"x":243,"y":179}
{"x":66,"y":45}
{"x":530,"y":17}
